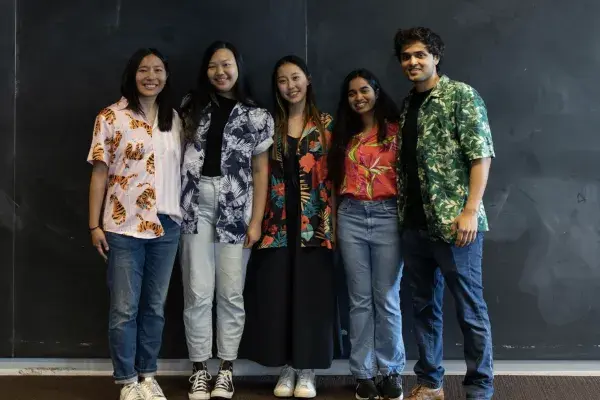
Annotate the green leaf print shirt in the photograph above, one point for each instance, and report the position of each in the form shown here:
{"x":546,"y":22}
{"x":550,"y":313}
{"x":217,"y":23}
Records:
{"x":453,"y":131}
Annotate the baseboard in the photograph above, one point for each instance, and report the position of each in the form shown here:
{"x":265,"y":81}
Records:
{"x":103,"y":367}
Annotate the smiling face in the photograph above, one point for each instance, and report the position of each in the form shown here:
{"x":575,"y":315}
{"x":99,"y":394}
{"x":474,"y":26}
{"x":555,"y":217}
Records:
{"x":151,"y":76}
{"x":223,"y":71}
{"x":292,"y":83}
{"x":418,"y":64}
{"x":361,"y":96}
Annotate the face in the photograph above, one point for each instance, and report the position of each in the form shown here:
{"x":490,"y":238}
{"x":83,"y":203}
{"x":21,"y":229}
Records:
{"x":361,"y":96}
{"x":151,"y":76}
{"x":418,"y":63}
{"x":292,"y":83}
{"x":223,"y":71}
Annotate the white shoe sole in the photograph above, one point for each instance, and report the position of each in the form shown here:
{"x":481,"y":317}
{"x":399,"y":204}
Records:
{"x":199,"y":396}
{"x":283,"y":394}
{"x":221,"y":394}
{"x":304,"y":394}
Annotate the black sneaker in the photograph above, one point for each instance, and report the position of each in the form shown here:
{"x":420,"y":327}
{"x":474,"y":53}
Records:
{"x":366,"y":390}
{"x":224,"y":384}
{"x":390,"y":387}
{"x":200,"y":383}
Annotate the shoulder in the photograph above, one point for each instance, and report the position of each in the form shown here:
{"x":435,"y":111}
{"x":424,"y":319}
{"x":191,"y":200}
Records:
{"x":259,"y":116}
{"x":326,"y":120}
{"x":459,"y":89}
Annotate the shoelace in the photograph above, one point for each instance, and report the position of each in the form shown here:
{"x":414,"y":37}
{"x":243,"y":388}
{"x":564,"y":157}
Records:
{"x":155,"y":389}
{"x":305,"y":379}
{"x":199,"y":380}
{"x":416,"y":390}
{"x":134,"y":393}
{"x":223,"y":380}
{"x":287,"y":374}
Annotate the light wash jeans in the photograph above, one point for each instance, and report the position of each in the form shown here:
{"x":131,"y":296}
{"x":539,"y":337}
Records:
{"x":139,"y":271}
{"x":369,"y":241}
{"x":206,"y":266}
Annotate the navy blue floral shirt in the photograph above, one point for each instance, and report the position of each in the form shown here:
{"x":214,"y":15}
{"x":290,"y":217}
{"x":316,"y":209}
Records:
{"x":248,"y":132}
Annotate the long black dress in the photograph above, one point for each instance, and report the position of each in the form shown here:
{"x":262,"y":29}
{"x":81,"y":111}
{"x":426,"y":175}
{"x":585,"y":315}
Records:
{"x":289,"y":295}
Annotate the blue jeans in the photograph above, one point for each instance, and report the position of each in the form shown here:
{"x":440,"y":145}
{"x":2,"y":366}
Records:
{"x":428,"y":264}
{"x":369,"y":241}
{"x":139,"y":271}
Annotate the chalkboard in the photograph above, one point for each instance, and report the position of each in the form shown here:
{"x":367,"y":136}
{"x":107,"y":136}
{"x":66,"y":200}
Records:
{"x":541,"y":268}
{"x":541,"y":257}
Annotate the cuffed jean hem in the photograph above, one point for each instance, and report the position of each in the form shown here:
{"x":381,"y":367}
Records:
{"x":478,"y":395}
{"x":127,"y":380}
{"x":429,"y":384}
{"x":364,"y":374}
{"x":391,"y":370}
{"x":200,"y":359}
{"x":227,"y":357}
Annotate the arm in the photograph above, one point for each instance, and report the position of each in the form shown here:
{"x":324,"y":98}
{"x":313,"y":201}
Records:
{"x":476,"y":143}
{"x":260,"y":176}
{"x":97,"y":190}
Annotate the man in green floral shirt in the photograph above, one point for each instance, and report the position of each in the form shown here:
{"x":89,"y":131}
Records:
{"x":445,"y":153}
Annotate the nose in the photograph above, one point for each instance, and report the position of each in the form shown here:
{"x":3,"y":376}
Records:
{"x":414,"y":61}
{"x":219,"y":70}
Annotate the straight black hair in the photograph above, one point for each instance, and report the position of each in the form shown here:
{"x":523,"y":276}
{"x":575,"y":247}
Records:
{"x":348,"y":123}
{"x":129,"y":90}
{"x":204,"y":93}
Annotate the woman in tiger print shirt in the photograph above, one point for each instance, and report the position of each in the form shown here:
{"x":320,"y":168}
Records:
{"x":136,"y":154}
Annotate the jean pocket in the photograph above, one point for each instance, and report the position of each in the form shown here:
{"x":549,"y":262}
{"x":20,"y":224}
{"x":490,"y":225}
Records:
{"x":389,"y":208}
{"x":344,"y":207}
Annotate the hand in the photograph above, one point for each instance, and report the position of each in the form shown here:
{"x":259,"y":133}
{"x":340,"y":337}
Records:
{"x":100,"y":243}
{"x":465,"y":225}
{"x":252,"y":235}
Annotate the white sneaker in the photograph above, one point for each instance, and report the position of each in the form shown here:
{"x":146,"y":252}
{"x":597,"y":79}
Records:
{"x":305,"y":387}
{"x":151,"y":390}
{"x":224,"y":383}
{"x":133,"y":391}
{"x":286,"y":382}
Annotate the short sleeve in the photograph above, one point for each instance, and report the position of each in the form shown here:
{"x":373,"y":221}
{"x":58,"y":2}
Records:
{"x":265,"y":128}
{"x":473,"y":125}
{"x":101,"y":140}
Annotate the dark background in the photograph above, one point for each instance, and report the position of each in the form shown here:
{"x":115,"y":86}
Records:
{"x":534,"y":63}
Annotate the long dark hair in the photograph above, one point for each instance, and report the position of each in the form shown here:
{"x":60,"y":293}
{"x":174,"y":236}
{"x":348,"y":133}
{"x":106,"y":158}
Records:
{"x":204,"y":93}
{"x":348,"y":123}
{"x":129,"y":89}
{"x":311,"y":110}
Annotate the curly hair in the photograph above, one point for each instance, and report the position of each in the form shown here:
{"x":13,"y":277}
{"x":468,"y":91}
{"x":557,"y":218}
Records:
{"x":432,"y":41}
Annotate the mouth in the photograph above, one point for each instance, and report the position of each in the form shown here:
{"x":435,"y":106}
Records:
{"x":360,"y":105}
{"x":150,"y":86}
{"x":414,"y":70}
{"x":221,"y":81}
{"x":293,"y":94}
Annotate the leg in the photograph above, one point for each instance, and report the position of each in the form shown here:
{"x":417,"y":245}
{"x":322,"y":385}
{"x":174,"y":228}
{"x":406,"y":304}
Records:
{"x":461,"y":267}
{"x":231,"y":262}
{"x":387,"y":263}
{"x":160,"y":257}
{"x":356,"y":255}
{"x":427,"y":288}
{"x":198,"y":277}
{"x":125,"y":274}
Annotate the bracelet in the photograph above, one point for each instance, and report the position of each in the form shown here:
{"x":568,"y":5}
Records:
{"x":93,"y":229}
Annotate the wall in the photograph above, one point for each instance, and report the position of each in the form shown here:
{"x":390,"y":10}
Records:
{"x":541,"y":268}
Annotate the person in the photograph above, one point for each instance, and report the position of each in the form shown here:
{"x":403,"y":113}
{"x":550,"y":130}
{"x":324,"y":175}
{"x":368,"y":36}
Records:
{"x":224,"y":190}
{"x":290,"y":285}
{"x":446,"y":151}
{"x":136,"y":153}
{"x":362,"y":167}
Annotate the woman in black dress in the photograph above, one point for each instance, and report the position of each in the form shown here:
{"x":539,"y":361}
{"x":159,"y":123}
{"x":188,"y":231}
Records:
{"x":289,"y":295}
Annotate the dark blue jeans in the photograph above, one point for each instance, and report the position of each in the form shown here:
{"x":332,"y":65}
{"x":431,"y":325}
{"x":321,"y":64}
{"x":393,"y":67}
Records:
{"x":139,"y":271}
{"x":428,"y":264}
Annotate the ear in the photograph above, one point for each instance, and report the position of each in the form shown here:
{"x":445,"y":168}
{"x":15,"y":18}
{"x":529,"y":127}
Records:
{"x":436,"y":60}
{"x":309,"y":78}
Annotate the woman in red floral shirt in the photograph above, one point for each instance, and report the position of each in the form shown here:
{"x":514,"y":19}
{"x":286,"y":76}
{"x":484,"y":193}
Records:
{"x":289,"y":294}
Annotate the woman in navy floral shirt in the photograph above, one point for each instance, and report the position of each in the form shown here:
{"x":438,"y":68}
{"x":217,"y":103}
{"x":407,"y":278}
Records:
{"x":290,"y":286}
{"x":224,"y":190}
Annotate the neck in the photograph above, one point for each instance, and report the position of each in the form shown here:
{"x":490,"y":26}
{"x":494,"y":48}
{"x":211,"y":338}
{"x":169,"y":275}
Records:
{"x":368,"y":120}
{"x":296,"y":110}
{"x":148,"y":105}
{"x":227,"y":95}
{"x":427,"y":84}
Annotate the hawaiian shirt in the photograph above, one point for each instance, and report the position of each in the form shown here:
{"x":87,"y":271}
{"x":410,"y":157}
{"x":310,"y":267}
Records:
{"x":453,"y":130}
{"x":128,"y":145}
{"x":370,"y":166}
{"x":248,"y":132}
{"x":315,"y":192}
